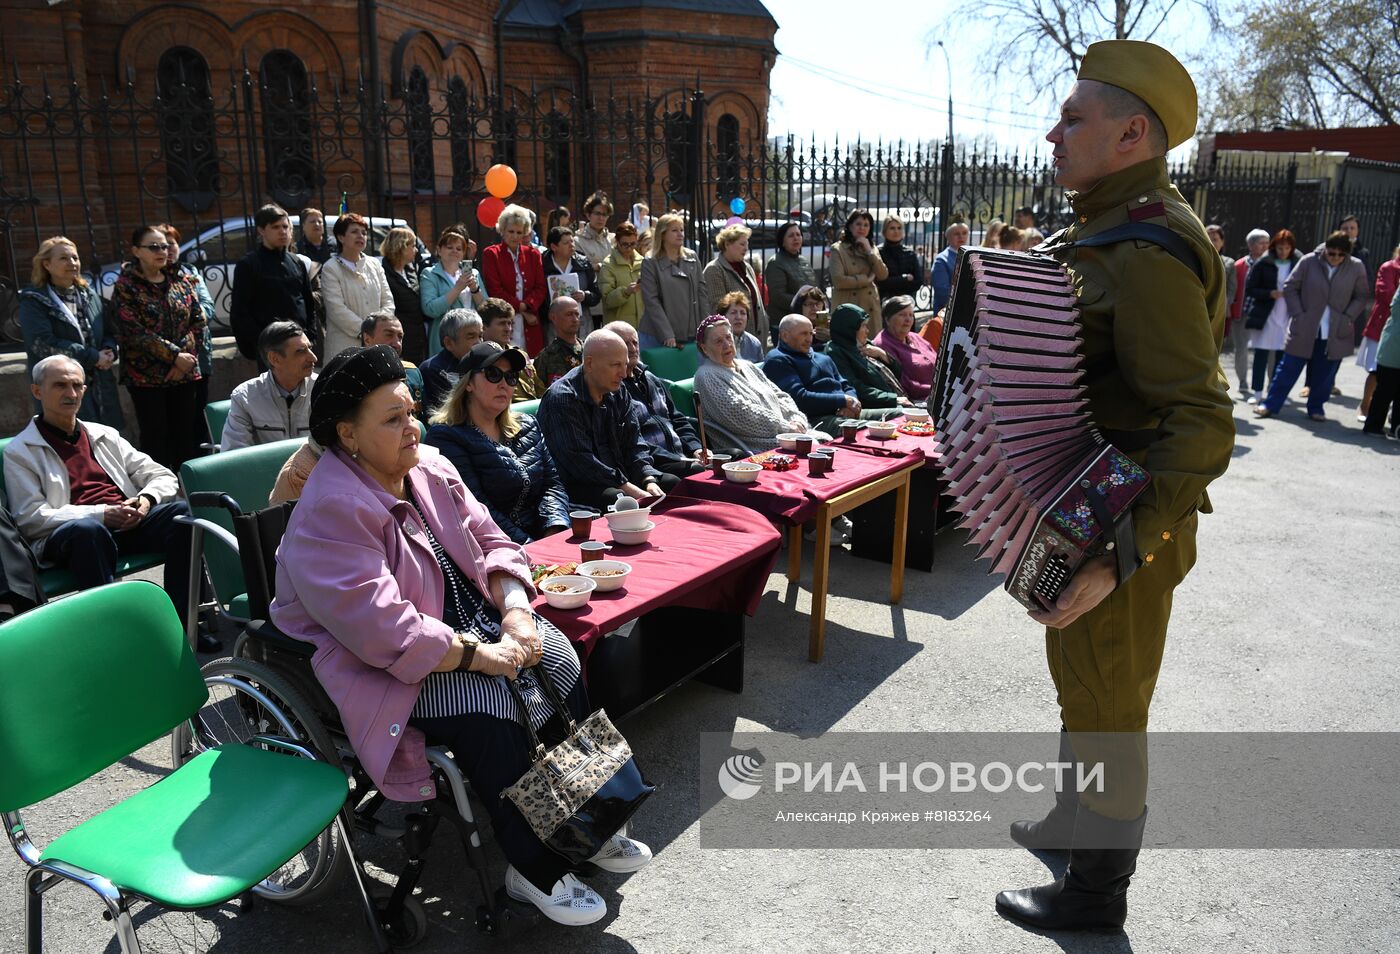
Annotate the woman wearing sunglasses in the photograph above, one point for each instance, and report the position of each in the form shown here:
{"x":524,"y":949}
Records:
{"x":160,"y":326}
{"x":501,"y":456}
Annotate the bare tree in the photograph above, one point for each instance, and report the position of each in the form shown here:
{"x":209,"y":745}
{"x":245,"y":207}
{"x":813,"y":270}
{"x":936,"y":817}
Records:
{"x":1055,"y":33}
{"x":1313,"y":65}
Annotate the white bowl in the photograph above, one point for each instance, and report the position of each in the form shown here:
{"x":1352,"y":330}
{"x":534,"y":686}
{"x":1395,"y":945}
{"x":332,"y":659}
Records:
{"x":882,"y":430}
{"x":916,"y":414}
{"x":630,"y":538}
{"x":584,"y":584}
{"x":628,"y":519}
{"x":789,"y":441}
{"x":742,"y":471}
{"x":605,"y":583}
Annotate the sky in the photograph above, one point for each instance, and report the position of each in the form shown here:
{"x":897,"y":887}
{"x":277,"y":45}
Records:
{"x":847,"y":71}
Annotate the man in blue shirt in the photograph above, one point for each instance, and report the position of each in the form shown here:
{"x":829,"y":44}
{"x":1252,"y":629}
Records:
{"x":592,"y":433}
{"x":946,"y":263}
{"x":813,"y":380}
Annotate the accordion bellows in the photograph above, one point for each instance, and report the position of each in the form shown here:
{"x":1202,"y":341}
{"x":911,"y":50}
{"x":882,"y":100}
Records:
{"x":1031,"y":476}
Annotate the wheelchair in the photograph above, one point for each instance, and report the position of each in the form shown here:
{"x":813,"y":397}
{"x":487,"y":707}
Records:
{"x":267,"y":686}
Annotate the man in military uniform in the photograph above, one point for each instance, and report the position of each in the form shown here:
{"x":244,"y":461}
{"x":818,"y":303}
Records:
{"x":1152,"y":305}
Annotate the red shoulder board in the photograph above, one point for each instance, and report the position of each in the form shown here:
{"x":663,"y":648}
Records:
{"x":1143,"y":212}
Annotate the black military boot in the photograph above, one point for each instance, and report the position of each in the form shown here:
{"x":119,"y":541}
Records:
{"x":1055,"y":830}
{"x":1093,"y":894}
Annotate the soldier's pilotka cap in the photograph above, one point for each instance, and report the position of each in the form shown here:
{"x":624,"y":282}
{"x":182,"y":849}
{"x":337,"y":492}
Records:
{"x":1153,"y":75}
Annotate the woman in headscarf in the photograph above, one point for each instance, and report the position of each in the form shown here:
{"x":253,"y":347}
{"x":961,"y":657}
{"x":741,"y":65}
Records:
{"x":419,"y":608}
{"x":877,"y":386}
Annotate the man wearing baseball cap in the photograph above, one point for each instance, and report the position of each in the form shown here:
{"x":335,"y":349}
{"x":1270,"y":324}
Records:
{"x":1150,"y":291}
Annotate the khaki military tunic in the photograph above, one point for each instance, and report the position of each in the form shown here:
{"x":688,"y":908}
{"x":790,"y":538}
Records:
{"x":1152,"y":333}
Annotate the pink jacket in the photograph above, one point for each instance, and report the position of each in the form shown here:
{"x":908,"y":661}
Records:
{"x":356,"y":576}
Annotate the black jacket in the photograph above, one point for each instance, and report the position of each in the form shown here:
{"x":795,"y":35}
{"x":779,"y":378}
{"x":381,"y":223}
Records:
{"x":587,"y":282}
{"x":268,"y":286}
{"x":408,"y":308}
{"x":900,"y":260}
{"x":1259,"y":282}
{"x":516,"y":481}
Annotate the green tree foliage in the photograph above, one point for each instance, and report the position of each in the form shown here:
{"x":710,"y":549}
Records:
{"x":1311,"y":64}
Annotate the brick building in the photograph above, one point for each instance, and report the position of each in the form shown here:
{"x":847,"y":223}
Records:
{"x":197,"y":112}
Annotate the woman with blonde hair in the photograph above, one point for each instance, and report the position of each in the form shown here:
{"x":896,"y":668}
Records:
{"x":856,"y":266}
{"x":730,"y":271}
{"x":60,"y":313}
{"x":514,"y":272}
{"x":671,"y":292}
{"x":400,"y":253}
{"x":501,"y":456}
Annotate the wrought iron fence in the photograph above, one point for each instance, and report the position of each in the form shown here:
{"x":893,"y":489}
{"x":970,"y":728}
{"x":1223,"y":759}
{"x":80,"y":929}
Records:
{"x":94,"y":164}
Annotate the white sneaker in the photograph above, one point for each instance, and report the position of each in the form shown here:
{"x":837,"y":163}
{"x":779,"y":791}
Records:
{"x":840,"y":536}
{"x":622,"y":855}
{"x":571,"y":902}
{"x":1254,"y":398}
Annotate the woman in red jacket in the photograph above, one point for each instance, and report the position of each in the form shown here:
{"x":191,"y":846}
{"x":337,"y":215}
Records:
{"x":514,"y":271}
{"x":1387,"y":280}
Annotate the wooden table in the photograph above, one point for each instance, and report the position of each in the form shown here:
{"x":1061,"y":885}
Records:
{"x":791,"y":498}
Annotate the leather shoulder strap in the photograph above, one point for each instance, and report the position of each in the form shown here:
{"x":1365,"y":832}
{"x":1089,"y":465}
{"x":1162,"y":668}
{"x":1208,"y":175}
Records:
{"x":1159,"y":235}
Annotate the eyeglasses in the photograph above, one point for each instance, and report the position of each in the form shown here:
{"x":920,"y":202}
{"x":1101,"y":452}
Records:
{"x":627,"y":245}
{"x":1335,"y":253}
{"x":158,"y":248}
{"x":495,"y":375}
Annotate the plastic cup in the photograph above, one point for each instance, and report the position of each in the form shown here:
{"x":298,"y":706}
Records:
{"x":582,"y":522}
{"x":818,"y":463}
{"x":592,"y":550}
{"x":717,"y":462}
{"x":804,"y":445}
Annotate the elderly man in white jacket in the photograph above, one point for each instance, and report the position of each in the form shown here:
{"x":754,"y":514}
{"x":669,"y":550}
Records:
{"x":83,"y":496}
{"x":276,"y":405}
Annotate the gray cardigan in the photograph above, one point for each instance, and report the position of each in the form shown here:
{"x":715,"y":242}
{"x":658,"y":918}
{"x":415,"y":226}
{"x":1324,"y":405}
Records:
{"x":745,"y":403}
{"x":671,"y":297}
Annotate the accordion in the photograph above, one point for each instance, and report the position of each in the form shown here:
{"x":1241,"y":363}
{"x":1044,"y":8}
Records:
{"x":1038,"y":488}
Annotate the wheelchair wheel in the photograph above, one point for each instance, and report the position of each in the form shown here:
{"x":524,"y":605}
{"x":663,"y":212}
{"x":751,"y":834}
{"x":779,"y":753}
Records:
{"x":410,"y":927}
{"x":247,"y":698}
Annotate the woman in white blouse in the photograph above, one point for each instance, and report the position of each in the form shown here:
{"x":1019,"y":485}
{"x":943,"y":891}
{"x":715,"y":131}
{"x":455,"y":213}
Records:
{"x":352,"y":286}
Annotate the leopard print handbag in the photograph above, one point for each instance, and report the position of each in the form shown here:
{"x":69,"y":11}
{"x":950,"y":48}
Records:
{"x":578,"y":794}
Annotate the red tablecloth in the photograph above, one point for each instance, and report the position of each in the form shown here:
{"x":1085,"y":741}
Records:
{"x":791,"y":496}
{"x":701,"y":554}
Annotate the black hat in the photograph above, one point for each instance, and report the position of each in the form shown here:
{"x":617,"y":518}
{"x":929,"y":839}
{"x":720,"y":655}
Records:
{"x":346,"y":381}
{"x":486,"y":354}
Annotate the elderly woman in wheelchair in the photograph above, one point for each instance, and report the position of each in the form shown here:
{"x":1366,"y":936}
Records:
{"x":418,"y":605}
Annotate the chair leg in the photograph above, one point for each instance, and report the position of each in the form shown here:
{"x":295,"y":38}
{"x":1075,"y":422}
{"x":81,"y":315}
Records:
{"x":381,"y":943}
{"x":33,"y":911}
{"x":192,"y":599}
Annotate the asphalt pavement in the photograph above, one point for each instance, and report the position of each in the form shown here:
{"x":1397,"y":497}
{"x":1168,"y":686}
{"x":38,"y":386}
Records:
{"x":1281,"y":626}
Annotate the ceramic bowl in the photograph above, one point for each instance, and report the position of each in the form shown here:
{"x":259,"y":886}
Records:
{"x":788,"y":442}
{"x":742,"y":472}
{"x":582,"y":585}
{"x":606,"y":584}
{"x":882,"y":430}
{"x":916,"y":414}
{"x":632,"y":537}
{"x":628,"y":519}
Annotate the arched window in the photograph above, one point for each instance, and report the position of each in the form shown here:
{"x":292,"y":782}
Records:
{"x":558,"y":178}
{"x":460,"y":125}
{"x":420,"y":131}
{"x":286,"y":126}
{"x":727,"y":154}
{"x":186,"y":109}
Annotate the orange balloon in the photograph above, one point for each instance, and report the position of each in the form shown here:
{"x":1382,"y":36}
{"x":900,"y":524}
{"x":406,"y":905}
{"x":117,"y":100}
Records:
{"x":500,"y":180}
{"x":488,"y":210}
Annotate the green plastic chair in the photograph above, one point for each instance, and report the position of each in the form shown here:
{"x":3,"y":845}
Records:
{"x":57,"y":580}
{"x":216,"y":415}
{"x":671,"y":364}
{"x":243,"y":478}
{"x":526,"y":407}
{"x":122,"y":677}
{"x":683,"y":394}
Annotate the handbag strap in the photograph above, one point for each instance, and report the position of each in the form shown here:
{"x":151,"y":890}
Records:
{"x":547,"y":684}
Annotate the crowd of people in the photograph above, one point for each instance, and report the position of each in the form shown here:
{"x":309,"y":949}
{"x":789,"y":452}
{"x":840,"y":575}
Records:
{"x":405,"y":378}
